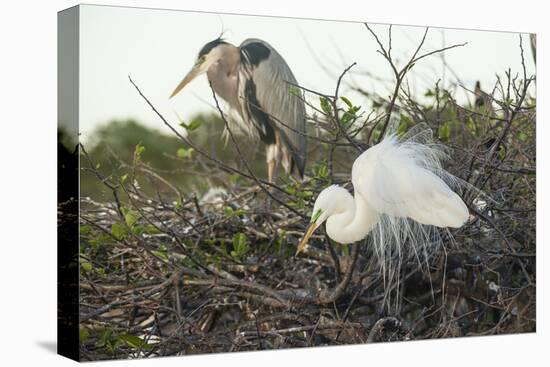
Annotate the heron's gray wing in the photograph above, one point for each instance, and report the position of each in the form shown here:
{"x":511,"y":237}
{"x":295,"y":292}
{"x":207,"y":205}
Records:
{"x":273,"y":104}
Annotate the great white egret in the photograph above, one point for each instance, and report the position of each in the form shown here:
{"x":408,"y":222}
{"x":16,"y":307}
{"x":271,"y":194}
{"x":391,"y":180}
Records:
{"x":254,"y":80}
{"x":399,"y":189}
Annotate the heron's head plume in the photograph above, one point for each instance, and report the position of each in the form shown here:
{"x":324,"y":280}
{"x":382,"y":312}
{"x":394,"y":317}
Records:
{"x":206,"y":49}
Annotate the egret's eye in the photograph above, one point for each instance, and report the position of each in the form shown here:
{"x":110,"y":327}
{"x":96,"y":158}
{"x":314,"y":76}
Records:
{"x":316,"y":216}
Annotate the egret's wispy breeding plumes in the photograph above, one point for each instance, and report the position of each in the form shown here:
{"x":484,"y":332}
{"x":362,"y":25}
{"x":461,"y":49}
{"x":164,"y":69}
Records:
{"x":401,"y":192}
{"x":257,"y":84}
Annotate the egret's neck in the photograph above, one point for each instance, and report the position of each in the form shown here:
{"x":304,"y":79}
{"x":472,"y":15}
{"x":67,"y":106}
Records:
{"x":354,"y":223}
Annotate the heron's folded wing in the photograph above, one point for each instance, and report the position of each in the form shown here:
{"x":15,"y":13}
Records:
{"x":270,"y":88}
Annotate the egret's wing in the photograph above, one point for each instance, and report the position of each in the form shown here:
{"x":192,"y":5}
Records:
{"x":402,"y":179}
{"x":270,"y":102}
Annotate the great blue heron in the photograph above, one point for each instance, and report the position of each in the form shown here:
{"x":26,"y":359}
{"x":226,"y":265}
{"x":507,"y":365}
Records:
{"x":256,"y":82}
{"x":394,"y":181}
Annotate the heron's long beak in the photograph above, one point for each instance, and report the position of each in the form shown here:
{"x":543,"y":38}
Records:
{"x":190,"y":76}
{"x":312,"y":227}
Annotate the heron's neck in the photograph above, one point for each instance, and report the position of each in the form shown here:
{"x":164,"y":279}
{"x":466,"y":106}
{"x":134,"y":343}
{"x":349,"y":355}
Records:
{"x":223,"y":74}
{"x":354,"y":223}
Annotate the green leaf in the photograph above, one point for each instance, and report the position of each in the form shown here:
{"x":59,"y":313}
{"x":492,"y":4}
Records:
{"x":228,"y":211}
{"x":147,"y":229}
{"x":151,"y":229}
{"x":119,"y":231}
{"x":346,"y":118}
{"x":179,"y":203}
{"x":85,"y":230}
{"x":99,"y":240}
{"x":347,"y":101}
{"x":86,"y":265}
{"x":134,"y":342}
{"x":130,"y":217}
{"x":124,"y":178}
{"x":294,"y":90}
{"x":138,"y":152}
{"x":184,"y":153}
{"x":325,"y":105}
{"x":321,"y":170}
{"x":161,"y":254}
{"x":194,"y":125}
{"x":239,"y":241}
{"x":240,"y":245}
{"x":445,"y":131}
{"x":83,"y":335}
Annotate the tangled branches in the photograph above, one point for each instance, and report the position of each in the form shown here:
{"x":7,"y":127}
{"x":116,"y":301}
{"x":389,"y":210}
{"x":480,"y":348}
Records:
{"x":177,"y":273}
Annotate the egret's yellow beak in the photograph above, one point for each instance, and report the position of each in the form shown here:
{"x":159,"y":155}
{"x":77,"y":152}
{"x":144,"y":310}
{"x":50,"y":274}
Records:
{"x":190,"y":76}
{"x":312,"y":227}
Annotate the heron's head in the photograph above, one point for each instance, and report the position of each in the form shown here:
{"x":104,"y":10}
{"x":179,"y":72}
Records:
{"x":208,"y":55}
{"x":332,"y":200}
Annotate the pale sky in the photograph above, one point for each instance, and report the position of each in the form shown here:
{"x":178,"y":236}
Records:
{"x":158,"y":47}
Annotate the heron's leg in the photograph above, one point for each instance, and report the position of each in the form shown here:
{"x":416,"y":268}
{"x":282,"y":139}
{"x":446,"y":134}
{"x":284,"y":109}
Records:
{"x":270,"y":170}
{"x":272,"y":158}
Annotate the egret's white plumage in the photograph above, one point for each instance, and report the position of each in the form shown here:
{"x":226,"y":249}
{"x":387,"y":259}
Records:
{"x":397,"y":178}
{"x":401,"y":193}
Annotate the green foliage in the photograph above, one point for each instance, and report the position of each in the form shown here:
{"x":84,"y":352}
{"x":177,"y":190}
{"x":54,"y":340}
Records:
{"x":294,"y":90}
{"x":320,"y":171}
{"x":86,"y":265}
{"x":138,"y":152}
{"x":97,"y":240}
{"x":85,"y":230}
{"x":194,"y":125}
{"x":350,"y":115}
{"x":405,"y":122}
{"x":184,"y":153}
{"x":162,"y":252}
{"x":134,"y":342}
{"x":240,"y":246}
{"x":132,"y":141}
{"x":130,"y":216}
{"x":119,"y":231}
{"x":122,"y":231}
{"x":83,"y":335}
{"x":325,"y":105}
{"x":145,"y":229}
{"x":300,"y":194}
{"x":230,"y":212}
{"x":113,"y":342}
{"x":445,"y":131}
